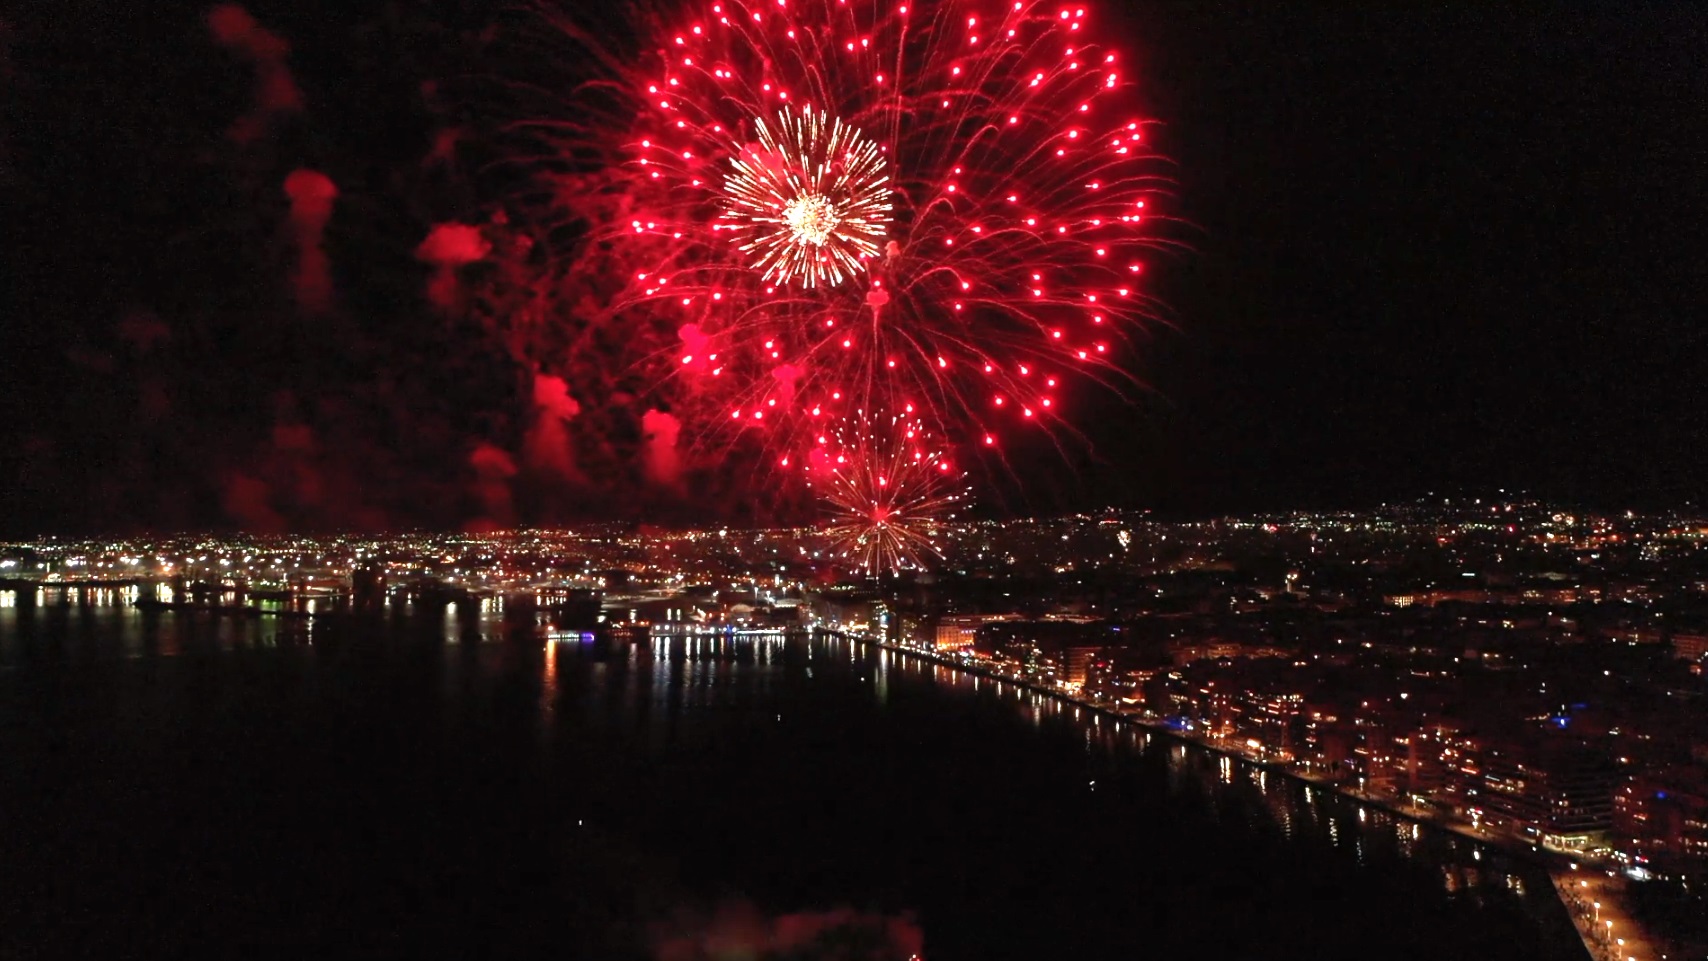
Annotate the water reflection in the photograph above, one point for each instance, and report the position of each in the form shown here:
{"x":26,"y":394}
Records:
{"x":687,"y":672}
{"x":1262,"y":800}
{"x":706,"y":696}
{"x":84,"y":624}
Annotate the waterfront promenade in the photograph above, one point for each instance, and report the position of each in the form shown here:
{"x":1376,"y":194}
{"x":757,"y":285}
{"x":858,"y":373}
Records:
{"x":1596,"y":904}
{"x":1591,"y":893}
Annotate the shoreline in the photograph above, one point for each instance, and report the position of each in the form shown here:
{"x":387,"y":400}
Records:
{"x":1503,"y":846}
{"x":1559,"y":866}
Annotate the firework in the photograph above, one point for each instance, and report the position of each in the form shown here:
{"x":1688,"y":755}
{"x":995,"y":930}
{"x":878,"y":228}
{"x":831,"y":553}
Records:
{"x":810,"y":201}
{"x":889,"y":492}
{"x":857,"y":205}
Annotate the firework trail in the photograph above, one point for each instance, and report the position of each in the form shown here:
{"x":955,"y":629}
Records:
{"x":838,"y":206}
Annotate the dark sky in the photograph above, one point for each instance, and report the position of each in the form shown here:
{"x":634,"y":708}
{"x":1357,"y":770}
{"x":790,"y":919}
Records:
{"x":1443,"y":245}
{"x":1435,"y":246}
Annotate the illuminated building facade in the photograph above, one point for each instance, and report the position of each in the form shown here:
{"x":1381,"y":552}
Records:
{"x":1562,"y":793}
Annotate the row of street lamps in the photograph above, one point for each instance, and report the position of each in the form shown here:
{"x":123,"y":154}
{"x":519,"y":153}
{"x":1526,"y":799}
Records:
{"x":1611,"y":948}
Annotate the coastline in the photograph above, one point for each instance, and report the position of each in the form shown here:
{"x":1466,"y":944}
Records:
{"x":1501,"y":845}
{"x":1567,"y":875}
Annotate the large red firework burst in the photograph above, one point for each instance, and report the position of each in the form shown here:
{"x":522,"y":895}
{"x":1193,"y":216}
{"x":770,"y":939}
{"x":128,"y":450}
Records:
{"x":938,"y":206}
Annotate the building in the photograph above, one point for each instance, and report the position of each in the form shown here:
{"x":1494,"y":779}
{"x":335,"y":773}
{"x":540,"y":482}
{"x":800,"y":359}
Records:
{"x":1561,"y":793}
{"x":1073,"y":662}
{"x":1062,"y":650}
{"x":956,"y":633}
{"x":1690,"y":647}
{"x":850,"y":612}
{"x":1422,"y":759}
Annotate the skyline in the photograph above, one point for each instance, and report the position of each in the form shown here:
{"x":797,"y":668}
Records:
{"x":1507,"y":681}
{"x":966,"y":479}
{"x":1476,"y":271}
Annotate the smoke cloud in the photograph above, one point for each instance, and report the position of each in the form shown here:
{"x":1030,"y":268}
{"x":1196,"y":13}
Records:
{"x":695,"y":347}
{"x":548,"y":442}
{"x":786,"y":376}
{"x":311,"y":194}
{"x":276,"y":90}
{"x":448,"y":247}
{"x":493,"y":469}
{"x":663,"y":464}
{"x":739,"y":931}
{"x":248,"y":500}
{"x":143,"y":331}
{"x":297,"y":478}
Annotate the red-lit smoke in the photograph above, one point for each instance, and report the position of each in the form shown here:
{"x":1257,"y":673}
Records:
{"x":448,"y":247}
{"x":276,"y":91}
{"x":248,"y":500}
{"x":311,"y":194}
{"x":143,"y":330}
{"x":739,"y":930}
{"x":493,"y":470}
{"x":548,"y":442}
{"x":663,"y":463}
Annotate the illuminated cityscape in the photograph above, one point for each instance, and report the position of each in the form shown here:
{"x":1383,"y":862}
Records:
{"x":1524,"y":674}
{"x":871,"y":480}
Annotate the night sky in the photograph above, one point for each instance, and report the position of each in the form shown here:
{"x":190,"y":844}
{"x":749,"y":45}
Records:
{"x":1437,"y":247}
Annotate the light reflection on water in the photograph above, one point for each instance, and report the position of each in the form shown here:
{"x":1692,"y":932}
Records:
{"x":103,"y":623}
{"x":1265,"y":801}
{"x":672,"y":689}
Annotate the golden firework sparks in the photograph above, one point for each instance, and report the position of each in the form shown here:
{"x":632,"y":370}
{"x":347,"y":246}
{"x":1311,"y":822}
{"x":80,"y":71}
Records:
{"x":809,"y":201}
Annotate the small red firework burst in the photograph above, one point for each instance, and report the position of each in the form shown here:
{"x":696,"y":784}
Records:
{"x":890,"y":491}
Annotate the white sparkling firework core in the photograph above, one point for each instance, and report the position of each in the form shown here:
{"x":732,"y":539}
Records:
{"x":810,"y":201}
{"x":811,"y":218}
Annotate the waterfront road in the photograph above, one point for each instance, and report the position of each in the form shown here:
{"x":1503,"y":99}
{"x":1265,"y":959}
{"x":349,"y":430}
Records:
{"x":1596,"y":904}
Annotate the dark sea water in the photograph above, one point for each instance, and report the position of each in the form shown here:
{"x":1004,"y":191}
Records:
{"x":415,"y":788}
